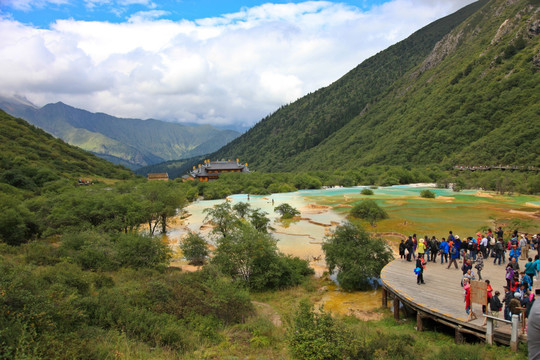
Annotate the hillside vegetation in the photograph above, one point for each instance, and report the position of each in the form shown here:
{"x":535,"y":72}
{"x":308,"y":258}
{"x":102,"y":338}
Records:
{"x":30,"y":158}
{"x":465,"y":89}
{"x":130,"y":142}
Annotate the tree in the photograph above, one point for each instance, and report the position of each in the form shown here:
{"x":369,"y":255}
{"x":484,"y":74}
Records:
{"x":259,"y":220}
{"x":356,"y":257}
{"x":195,"y":249}
{"x":242,"y":209}
{"x":286,"y":211}
{"x":252,"y":257}
{"x":222,"y":217}
{"x":161,"y":201}
{"x":238,"y":253}
{"x":369,"y":210}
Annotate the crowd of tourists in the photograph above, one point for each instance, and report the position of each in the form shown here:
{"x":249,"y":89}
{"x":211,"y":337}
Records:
{"x":472,"y":253}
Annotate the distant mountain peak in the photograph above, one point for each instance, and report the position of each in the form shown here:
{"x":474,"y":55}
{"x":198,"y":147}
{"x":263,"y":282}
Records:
{"x":130,"y":142}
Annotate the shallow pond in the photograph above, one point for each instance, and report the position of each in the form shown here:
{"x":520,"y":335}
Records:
{"x":322,"y":210}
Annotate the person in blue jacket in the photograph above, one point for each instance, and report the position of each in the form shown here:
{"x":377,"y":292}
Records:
{"x":515,"y":252}
{"x":444,"y":251}
{"x":454,"y":256}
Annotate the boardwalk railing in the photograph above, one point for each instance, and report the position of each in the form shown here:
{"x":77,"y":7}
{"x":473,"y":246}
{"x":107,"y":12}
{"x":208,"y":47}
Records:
{"x":514,"y":340}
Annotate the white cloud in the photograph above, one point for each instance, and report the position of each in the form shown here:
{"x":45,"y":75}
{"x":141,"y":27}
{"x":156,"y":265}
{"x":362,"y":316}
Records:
{"x":142,"y":16}
{"x":231,"y":69}
{"x":27,"y":5}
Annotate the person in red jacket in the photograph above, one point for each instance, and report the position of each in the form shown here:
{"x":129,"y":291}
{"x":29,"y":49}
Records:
{"x":468,"y":305}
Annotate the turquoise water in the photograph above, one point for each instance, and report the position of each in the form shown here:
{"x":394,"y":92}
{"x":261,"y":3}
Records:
{"x":463,"y":212}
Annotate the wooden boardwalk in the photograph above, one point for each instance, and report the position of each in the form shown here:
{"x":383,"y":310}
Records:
{"x":441,"y":298}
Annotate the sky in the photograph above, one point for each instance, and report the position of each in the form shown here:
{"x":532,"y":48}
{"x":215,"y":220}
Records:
{"x":226,"y":63}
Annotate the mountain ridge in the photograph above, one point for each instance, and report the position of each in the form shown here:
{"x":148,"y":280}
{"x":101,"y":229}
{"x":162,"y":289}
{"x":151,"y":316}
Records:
{"x":132,"y":142}
{"x":423,"y":115}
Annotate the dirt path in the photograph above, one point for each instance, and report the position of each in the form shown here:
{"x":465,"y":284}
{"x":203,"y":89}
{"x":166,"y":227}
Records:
{"x":268,"y":312}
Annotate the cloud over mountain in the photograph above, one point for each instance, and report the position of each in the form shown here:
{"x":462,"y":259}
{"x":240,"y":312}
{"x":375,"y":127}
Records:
{"x":232,"y":69}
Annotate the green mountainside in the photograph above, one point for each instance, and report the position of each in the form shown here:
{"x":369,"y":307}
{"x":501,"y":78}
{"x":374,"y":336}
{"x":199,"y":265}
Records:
{"x":30,"y":158}
{"x":130,"y":142}
{"x":463,"y":90}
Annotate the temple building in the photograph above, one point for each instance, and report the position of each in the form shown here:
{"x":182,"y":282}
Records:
{"x":211,"y":170}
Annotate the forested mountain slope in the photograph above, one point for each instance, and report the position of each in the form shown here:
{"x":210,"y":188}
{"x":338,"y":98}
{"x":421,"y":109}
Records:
{"x":131,"y":142}
{"x":30,"y":158}
{"x":464,"y":89}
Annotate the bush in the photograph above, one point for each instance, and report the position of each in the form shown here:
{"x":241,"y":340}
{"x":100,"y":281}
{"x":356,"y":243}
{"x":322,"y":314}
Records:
{"x":194,"y":248}
{"x":356,"y":256}
{"x":139,"y":251}
{"x":369,"y":210}
{"x":252,"y":257}
{"x":366,"y":191}
{"x":286,"y":211}
{"x":428,"y":194}
{"x":319,"y":336}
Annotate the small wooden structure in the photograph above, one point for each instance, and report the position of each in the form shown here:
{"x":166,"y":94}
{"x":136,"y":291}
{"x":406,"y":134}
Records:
{"x":158,"y":176}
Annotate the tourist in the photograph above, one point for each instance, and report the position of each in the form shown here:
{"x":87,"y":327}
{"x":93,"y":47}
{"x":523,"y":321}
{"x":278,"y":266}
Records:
{"x":526,"y":280}
{"x":506,"y":301}
{"x":492,"y":242}
{"x":451,"y":236}
{"x":420,"y":262}
{"x":479,"y":265}
{"x":515,"y":305}
{"x":469,"y":276}
{"x":409,"y":247}
{"x":421,"y":248}
{"x":473,"y":247}
{"x":495,"y":305}
{"x":515,"y":253}
{"x":530,"y":269}
{"x":444,"y":249}
{"x":467,"y":265}
{"x":514,"y":283}
{"x":402,"y":249}
{"x":427,"y":244}
{"x":499,"y":251}
{"x":524,"y":246}
{"x":468,"y":305}
{"x":500,"y":234}
{"x":457,"y":241}
{"x":514,"y":264}
{"x":454,"y":255}
{"x":434,"y":244}
{"x":484,"y":247}
{"x":485,"y":310}
{"x":509,"y":274}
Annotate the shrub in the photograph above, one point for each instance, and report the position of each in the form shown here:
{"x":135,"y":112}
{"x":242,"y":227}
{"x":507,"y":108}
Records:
{"x":319,"y":336}
{"x":286,"y":211}
{"x":139,"y":251}
{"x":428,"y":194}
{"x":366,"y":191}
{"x":356,"y":256}
{"x":194,"y":248}
{"x":369,"y":210}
